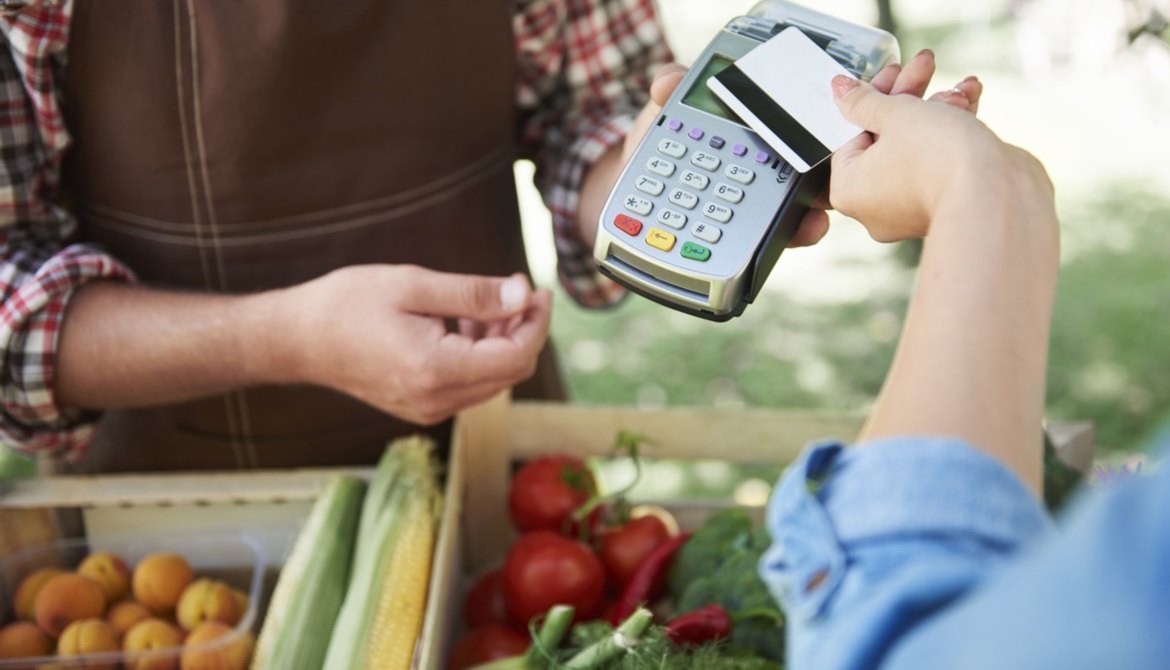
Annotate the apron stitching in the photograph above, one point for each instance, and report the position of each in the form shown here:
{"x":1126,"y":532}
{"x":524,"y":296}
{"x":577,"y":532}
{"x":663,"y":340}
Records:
{"x":187,"y":146}
{"x":246,"y":426}
{"x":241,"y":462}
{"x":196,"y":106}
{"x":233,"y":431}
{"x":341,"y":226}
{"x":441,"y":184}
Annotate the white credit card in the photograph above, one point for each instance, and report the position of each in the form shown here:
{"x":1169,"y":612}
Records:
{"x":782,"y":90}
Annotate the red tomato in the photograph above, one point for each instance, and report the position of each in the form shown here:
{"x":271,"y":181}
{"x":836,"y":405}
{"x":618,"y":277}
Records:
{"x":623,"y":549}
{"x":607,"y":612}
{"x":546,"y":492}
{"x":485,"y":602}
{"x":545,"y":569}
{"x":490,"y":643}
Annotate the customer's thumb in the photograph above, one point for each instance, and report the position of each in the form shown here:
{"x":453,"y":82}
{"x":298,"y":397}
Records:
{"x":860,"y":103}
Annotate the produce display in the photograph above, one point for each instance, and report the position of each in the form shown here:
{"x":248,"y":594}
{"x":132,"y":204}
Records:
{"x":593,"y":584}
{"x":353,"y":590}
{"x":589,"y":583}
{"x":160,"y":614}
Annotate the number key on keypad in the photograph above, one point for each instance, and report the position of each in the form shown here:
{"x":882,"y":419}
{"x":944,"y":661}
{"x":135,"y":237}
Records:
{"x":684,"y":198}
{"x":668,"y":217}
{"x":727,"y":192}
{"x":660,"y":166}
{"x":740,"y":174}
{"x":672,"y":148}
{"x":649,"y":185}
{"x":717,"y":212}
{"x":705,"y":160}
{"x":694,"y":180}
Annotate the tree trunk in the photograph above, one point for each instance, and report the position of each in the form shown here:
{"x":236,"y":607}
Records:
{"x":886,"y":17}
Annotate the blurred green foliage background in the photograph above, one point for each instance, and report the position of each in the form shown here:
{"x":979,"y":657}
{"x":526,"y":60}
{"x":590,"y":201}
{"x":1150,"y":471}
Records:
{"x":1083,"y":84}
{"x":1079,"y":84}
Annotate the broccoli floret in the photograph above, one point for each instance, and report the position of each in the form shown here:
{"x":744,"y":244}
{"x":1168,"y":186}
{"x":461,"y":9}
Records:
{"x":709,"y":546}
{"x":735,"y":585}
{"x":588,"y":632}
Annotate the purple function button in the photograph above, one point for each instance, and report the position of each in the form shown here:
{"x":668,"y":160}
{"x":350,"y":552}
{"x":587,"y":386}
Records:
{"x":762,"y":157}
{"x":695,"y":134}
{"x":674,"y":124}
{"x":717,"y":142}
{"x":738,"y":149}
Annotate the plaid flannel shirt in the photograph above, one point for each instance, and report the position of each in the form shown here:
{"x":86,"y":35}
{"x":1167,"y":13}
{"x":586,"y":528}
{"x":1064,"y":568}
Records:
{"x":584,"y":69}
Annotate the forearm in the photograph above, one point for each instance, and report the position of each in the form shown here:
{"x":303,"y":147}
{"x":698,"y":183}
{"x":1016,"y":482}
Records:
{"x":128,"y":346}
{"x":595,"y":190}
{"x":973,"y":356}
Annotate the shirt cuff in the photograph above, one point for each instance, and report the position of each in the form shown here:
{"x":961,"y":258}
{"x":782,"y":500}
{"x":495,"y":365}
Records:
{"x":575,"y":265}
{"x":30,"y":328}
{"x":867,"y":541}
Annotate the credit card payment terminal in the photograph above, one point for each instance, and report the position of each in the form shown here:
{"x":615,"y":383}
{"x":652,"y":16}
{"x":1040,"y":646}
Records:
{"x":704,"y":208}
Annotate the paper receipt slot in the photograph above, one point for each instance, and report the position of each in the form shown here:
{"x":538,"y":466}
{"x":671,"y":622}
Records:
{"x":704,"y":208}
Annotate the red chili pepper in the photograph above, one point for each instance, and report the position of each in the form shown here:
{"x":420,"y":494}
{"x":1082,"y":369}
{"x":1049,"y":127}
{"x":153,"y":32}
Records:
{"x":638,"y":589}
{"x":703,"y":625}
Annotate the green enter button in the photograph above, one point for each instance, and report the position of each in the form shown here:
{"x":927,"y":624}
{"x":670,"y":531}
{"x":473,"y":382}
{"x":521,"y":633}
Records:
{"x":695,"y":252}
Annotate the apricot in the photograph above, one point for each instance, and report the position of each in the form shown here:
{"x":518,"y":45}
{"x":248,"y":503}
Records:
{"x":228,"y":655}
{"x":25,"y":600}
{"x":159,"y":580}
{"x":242,"y":603}
{"x":122,"y":616}
{"x":67,"y":598}
{"x":89,"y":636}
{"x":24,"y":640}
{"x":206,"y":600}
{"x":153,"y":635}
{"x":110,"y":572}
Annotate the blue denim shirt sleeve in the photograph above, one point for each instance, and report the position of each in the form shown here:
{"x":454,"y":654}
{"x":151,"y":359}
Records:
{"x":924,"y":553}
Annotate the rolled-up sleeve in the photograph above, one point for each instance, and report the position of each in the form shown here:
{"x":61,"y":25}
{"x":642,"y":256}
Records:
{"x":40,"y":267}
{"x":584,"y":71}
{"x":870,"y":542}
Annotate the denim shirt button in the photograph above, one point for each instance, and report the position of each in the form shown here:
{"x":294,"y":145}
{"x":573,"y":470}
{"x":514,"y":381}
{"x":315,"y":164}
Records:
{"x":816,"y":581}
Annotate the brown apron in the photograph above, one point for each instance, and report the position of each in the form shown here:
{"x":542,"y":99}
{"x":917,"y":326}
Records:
{"x":244,"y":145}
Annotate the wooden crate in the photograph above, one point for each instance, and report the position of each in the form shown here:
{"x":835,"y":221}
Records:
{"x":490,"y":440}
{"x":269,"y":505}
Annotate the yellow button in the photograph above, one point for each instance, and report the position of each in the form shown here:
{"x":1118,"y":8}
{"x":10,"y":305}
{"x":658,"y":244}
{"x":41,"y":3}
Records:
{"x":660,"y":239}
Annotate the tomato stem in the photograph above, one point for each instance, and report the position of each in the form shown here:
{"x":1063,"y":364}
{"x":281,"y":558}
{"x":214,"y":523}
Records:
{"x":628,"y":442}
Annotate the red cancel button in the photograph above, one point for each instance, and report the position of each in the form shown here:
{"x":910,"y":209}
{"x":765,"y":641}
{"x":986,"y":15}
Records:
{"x":627,"y":225}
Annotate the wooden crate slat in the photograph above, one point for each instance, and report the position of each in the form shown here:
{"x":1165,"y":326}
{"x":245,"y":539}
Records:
{"x":482,"y":435}
{"x":443,"y":594}
{"x":172,"y":488}
{"x":746,"y":436}
{"x":750,"y":436}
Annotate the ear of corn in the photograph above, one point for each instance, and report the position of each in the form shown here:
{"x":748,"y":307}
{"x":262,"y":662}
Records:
{"x":312,"y":583}
{"x":382,"y":612}
{"x":398,"y":614}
